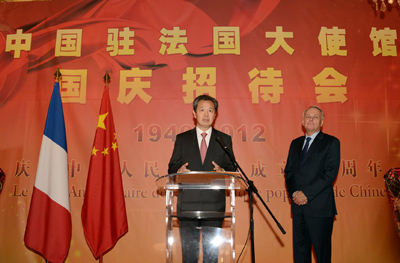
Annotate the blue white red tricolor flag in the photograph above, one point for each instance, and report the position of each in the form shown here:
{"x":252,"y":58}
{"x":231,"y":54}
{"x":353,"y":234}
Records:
{"x":48,"y":229}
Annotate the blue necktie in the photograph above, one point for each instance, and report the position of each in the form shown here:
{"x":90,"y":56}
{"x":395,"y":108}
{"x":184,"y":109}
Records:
{"x":305,"y":149}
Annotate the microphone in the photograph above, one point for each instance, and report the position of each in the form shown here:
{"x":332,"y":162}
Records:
{"x":227,"y":150}
{"x":221,"y":142}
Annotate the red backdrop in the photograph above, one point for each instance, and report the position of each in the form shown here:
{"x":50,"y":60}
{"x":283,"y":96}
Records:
{"x":265,"y":61}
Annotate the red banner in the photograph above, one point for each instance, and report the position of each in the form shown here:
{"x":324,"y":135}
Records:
{"x":265,"y":62}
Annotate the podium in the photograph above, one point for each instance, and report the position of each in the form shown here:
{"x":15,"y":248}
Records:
{"x":230,"y":182}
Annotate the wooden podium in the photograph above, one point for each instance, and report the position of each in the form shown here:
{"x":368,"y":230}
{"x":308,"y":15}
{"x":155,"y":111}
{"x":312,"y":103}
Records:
{"x":172,"y":183}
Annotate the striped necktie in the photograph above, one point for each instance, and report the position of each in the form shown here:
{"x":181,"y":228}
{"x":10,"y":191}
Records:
{"x":305,"y":149}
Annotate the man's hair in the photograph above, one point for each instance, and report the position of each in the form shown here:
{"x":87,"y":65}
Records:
{"x":314,"y":107}
{"x":205,"y":97}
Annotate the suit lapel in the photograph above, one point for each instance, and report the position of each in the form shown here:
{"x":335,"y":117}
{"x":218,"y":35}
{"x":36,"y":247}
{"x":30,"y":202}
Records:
{"x":211,"y":146}
{"x":300,"y":148}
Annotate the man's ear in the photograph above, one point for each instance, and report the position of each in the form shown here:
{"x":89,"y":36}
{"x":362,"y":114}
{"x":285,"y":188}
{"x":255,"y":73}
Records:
{"x":194,"y":114}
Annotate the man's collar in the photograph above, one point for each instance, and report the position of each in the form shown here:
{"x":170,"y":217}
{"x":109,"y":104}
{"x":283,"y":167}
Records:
{"x":313,"y":135}
{"x":199,"y":131}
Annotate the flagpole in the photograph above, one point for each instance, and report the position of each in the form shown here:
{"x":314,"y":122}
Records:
{"x":107,"y":79}
{"x":58,"y":75}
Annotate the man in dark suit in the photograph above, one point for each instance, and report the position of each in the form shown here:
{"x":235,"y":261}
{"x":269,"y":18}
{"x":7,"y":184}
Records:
{"x":311,"y":168}
{"x":187,"y":156}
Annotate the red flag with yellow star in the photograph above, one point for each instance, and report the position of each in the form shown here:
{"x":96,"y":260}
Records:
{"x":103,"y":213}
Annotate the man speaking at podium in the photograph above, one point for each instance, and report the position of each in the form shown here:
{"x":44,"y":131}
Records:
{"x":199,"y":150}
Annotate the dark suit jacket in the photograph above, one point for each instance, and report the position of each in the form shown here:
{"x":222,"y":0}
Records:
{"x":315,"y":175}
{"x":186,"y":149}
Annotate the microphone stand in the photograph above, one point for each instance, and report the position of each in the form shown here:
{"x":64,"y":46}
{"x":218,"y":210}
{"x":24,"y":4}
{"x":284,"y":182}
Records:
{"x":251,"y":188}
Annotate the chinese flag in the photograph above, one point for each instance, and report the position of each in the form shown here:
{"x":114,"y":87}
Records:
{"x":103,"y":213}
{"x":48,"y":229}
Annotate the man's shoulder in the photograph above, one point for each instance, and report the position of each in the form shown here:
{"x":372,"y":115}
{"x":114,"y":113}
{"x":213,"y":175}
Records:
{"x":186,"y":133}
{"x":220,"y":134}
{"x":328,"y":137}
{"x":299,"y":139}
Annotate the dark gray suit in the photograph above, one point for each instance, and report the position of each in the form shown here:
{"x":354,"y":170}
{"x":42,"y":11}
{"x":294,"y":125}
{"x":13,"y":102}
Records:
{"x":314,"y":176}
{"x":186,"y":149}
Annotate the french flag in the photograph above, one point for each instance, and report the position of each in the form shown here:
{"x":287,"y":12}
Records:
{"x":48,"y":229}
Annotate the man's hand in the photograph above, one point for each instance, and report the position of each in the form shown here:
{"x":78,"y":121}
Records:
{"x":183,"y":168}
{"x":299,"y":198}
{"x":217,"y":168}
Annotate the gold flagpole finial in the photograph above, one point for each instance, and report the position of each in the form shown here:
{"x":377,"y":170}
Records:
{"x":107,"y":78}
{"x":58,"y":75}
